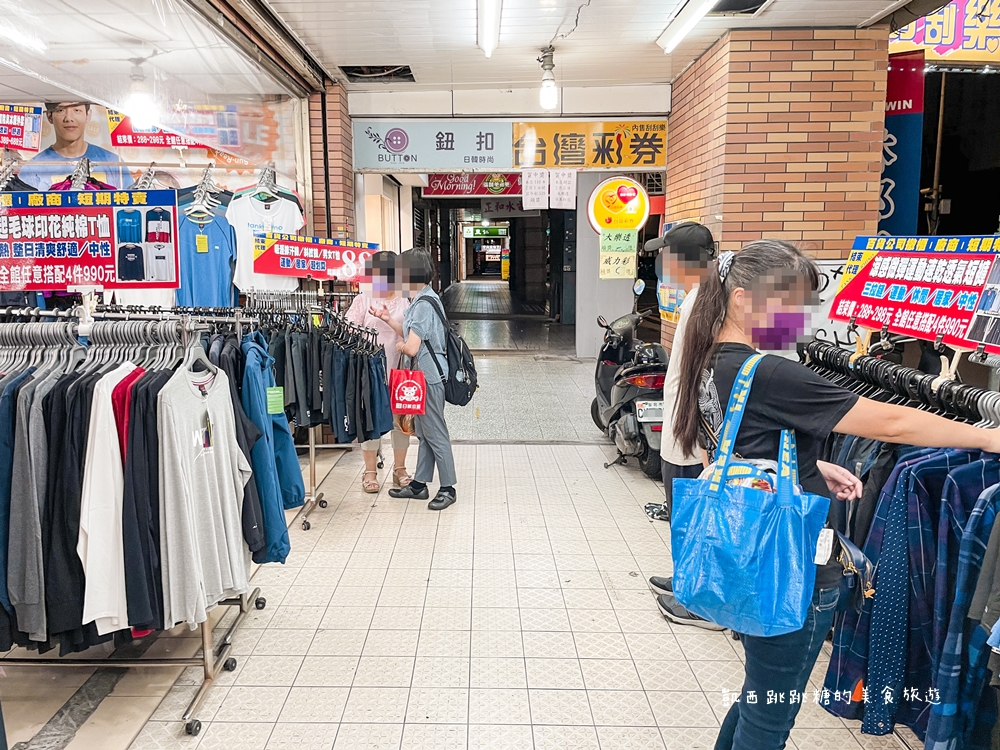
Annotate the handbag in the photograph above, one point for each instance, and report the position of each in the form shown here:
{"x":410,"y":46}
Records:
{"x":744,"y":556}
{"x":404,"y":423}
{"x":856,"y":585}
{"x":407,"y":391}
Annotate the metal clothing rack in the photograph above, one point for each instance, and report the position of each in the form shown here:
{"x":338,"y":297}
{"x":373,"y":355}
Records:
{"x":215,"y":657}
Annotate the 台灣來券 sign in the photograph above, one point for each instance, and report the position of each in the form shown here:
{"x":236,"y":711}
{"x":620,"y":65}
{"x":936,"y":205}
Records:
{"x":962,"y":31}
{"x":931,"y":288}
{"x":608,"y":144}
{"x":20,"y":127}
{"x":618,"y":203}
{"x":118,"y":239}
{"x":618,"y":248}
{"x":310,"y":257}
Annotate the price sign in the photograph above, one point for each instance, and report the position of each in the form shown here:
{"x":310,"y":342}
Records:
{"x":618,"y":259}
{"x":931,"y":288}
{"x":310,"y":257}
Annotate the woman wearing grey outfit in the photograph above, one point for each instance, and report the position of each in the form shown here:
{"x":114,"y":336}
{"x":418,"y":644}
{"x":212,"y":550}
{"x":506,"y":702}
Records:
{"x":424,"y":337}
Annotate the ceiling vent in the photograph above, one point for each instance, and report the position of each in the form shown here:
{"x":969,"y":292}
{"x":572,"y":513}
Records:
{"x":737,"y":7}
{"x":378,"y":73}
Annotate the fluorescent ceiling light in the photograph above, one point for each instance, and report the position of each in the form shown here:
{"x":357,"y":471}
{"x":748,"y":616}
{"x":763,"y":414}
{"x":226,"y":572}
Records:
{"x":489,"y":25}
{"x":683,"y":22}
{"x":21,"y":39}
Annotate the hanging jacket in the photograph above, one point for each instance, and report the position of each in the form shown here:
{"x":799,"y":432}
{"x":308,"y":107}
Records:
{"x":257,"y":378}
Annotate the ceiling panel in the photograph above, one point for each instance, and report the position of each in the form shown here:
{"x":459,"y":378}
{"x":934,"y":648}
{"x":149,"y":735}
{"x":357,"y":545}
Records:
{"x":614,"y":43}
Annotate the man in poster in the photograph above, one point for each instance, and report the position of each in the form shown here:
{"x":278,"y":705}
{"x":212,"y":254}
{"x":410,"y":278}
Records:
{"x":69,"y":120}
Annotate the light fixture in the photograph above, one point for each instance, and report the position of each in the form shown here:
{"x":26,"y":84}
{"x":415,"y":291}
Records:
{"x":488,"y":13}
{"x":140,"y":107}
{"x":681,"y":24}
{"x":485,"y":222}
{"x":548,"y":95}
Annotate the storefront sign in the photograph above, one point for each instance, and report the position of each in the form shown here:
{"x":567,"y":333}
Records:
{"x":963,"y":31}
{"x":473,"y":232}
{"x":505,"y":263}
{"x":925,"y":287}
{"x":618,"y":248}
{"x":459,"y":185}
{"x":431,"y":145}
{"x":123,"y":133}
{"x":562,"y":189}
{"x":504,"y":209}
{"x":899,"y":204}
{"x":310,"y":257}
{"x":535,"y":189}
{"x":611,"y":144}
{"x":115,"y":239}
{"x":20,"y":127}
{"x":618,"y":203}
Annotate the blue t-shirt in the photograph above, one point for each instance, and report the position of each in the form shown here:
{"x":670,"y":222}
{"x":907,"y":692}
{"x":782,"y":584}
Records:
{"x":130,"y":226}
{"x":44,"y":176}
{"x":206,"y":264}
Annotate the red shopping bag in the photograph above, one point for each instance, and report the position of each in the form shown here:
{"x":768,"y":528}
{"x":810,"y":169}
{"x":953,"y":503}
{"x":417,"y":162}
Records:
{"x":407,"y":391}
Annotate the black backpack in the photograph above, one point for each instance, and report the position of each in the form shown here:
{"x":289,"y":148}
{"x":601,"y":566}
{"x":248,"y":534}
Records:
{"x":462,"y":379}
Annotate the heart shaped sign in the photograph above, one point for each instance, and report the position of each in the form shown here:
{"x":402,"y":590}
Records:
{"x":627,"y":193}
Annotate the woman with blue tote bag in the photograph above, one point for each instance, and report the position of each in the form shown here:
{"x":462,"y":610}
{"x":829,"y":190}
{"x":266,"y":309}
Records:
{"x":749,"y":543}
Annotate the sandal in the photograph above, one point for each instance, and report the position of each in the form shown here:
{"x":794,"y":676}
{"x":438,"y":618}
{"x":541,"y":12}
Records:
{"x":401,"y":480}
{"x":371,"y":486}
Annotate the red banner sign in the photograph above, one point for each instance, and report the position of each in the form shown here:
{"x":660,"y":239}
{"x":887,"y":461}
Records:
{"x":115,"y":239}
{"x":310,"y":257}
{"x":464,"y":184}
{"x":20,"y":127}
{"x":124,"y":133}
{"x":943,"y":289}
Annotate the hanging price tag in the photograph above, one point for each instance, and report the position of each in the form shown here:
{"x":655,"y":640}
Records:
{"x":275,"y":400}
{"x":201,"y":243}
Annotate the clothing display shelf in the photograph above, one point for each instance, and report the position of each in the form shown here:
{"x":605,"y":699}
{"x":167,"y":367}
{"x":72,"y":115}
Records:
{"x":307,"y":303}
{"x":33,"y":342}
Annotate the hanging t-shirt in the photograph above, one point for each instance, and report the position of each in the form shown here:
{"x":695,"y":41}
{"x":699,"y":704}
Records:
{"x":207,"y":252}
{"x":158,"y":225}
{"x":202,"y":477}
{"x":131,"y":264}
{"x":785,"y":395}
{"x":130,"y":226}
{"x":44,"y":175}
{"x":247,"y":216}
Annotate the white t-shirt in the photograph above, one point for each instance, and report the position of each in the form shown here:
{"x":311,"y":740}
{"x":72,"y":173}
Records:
{"x":99,"y":544}
{"x":670,"y":450}
{"x":248,"y":216}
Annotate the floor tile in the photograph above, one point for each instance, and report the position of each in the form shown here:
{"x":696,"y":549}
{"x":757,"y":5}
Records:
{"x":384,"y":671}
{"x":246,"y":736}
{"x":435,"y":737}
{"x":621,"y":708}
{"x":688,"y":738}
{"x":380,"y":736}
{"x":302,"y":737}
{"x":497,"y":673}
{"x":565,"y":738}
{"x":677,"y":709}
{"x":372,"y":705}
{"x":262,"y":704}
{"x":569,"y":707}
{"x":561,"y":674}
{"x":441,"y":671}
{"x":633,"y":738}
{"x":314,"y":704}
{"x":610,"y":674}
{"x":500,"y":737}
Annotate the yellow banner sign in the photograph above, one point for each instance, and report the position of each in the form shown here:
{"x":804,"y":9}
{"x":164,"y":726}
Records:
{"x":608,"y":144}
{"x":618,"y":203}
{"x":962,"y":31}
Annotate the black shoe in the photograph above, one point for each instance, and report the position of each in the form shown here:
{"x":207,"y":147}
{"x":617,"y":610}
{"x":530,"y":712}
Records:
{"x":661,"y":585}
{"x":657,"y":512}
{"x":441,"y":501}
{"x":674,"y":611}
{"x":409,"y":493}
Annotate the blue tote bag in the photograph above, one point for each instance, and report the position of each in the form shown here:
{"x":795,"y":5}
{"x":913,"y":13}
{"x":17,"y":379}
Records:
{"x":744,"y":557}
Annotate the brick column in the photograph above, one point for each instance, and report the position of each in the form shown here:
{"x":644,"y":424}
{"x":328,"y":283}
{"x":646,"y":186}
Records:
{"x":778,"y":134}
{"x":337,"y":171}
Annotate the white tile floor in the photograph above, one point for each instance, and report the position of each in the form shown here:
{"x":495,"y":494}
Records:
{"x":518,"y":618}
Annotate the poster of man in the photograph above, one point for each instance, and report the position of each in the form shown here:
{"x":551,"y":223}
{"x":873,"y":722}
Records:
{"x":69,"y":122}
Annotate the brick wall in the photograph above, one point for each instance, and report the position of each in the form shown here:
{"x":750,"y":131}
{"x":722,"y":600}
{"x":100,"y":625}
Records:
{"x":779,"y":133}
{"x":340,"y":176}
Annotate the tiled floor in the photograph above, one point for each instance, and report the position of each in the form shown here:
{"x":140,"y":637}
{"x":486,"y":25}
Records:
{"x":519,"y":335}
{"x":487,"y":299}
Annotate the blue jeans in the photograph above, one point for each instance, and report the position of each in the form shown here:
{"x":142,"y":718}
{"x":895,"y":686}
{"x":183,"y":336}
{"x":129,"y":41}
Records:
{"x":778,"y":667}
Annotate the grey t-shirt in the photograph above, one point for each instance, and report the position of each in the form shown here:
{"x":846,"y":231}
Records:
{"x":421,"y":318}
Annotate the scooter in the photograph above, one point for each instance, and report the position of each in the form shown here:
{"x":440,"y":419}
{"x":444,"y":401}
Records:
{"x":629,"y":381}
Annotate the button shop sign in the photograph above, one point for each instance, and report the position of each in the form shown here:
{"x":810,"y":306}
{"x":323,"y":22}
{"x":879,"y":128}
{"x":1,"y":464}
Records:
{"x":116,"y":239}
{"x":618,"y":203}
{"x":310,"y":257}
{"x":943,"y":289}
{"x":618,"y":248}
{"x":20,"y":127}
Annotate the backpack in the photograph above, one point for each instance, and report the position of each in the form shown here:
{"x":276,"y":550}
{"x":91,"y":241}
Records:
{"x":461,"y":382}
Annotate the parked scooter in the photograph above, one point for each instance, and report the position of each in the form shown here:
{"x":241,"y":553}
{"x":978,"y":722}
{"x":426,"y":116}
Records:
{"x":629,"y":381}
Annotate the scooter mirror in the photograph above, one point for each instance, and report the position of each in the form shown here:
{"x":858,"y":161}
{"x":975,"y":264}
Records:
{"x":601,"y":321}
{"x":638,"y":287}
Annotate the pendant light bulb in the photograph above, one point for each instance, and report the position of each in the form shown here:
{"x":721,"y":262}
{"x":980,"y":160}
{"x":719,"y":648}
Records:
{"x":548,"y":95}
{"x":140,"y":106}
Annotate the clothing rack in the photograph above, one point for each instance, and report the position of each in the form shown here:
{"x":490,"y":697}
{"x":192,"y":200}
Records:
{"x":7,"y":170}
{"x":145,"y":181}
{"x":215,"y":656}
{"x":80,"y":174}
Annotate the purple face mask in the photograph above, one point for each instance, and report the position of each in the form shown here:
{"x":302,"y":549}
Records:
{"x":783,"y":332}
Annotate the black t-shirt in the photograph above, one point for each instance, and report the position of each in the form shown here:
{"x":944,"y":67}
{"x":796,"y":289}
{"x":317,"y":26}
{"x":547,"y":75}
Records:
{"x":784,"y":395}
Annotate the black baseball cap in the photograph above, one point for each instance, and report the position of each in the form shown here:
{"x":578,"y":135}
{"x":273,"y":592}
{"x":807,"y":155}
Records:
{"x":689,"y":240}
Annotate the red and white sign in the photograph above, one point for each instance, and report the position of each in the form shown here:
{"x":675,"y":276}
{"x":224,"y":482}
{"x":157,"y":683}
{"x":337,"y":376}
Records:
{"x":932,"y":288}
{"x":461,"y":184}
{"x":115,"y":239}
{"x":20,"y":127}
{"x":124,"y":134}
{"x":310,"y":257}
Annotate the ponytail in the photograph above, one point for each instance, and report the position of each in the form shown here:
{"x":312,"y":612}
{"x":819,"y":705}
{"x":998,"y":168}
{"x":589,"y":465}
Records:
{"x":711,"y":307}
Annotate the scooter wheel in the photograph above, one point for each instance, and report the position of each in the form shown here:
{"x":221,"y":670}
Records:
{"x":649,"y":462}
